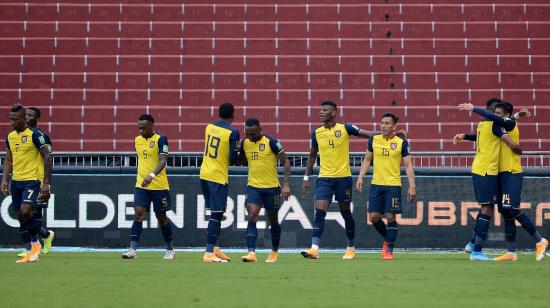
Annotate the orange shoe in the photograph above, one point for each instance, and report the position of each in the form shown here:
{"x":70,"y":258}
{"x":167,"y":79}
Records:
{"x":507,"y":256}
{"x":273,"y":257}
{"x":349,"y":255}
{"x":209,"y":257}
{"x":32,"y":256}
{"x":388,"y":256}
{"x":384,"y":248}
{"x":541,"y":249}
{"x":311,"y":253}
{"x":219,"y":253}
{"x":250,"y":257}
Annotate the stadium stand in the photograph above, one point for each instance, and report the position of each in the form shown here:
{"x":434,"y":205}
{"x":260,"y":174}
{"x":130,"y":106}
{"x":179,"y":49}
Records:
{"x":94,"y":68}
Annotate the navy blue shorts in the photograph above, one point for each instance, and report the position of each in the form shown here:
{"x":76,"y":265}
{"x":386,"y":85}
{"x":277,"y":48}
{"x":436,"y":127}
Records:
{"x":341,"y":188}
{"x":384,"y":199}
{"x":160,"y":198}
{"x":510,"y":190}
{"x":269,"y":198}
{"x":486,"y":189}
{"x":215,"y":196}
{"x":24,"y":192}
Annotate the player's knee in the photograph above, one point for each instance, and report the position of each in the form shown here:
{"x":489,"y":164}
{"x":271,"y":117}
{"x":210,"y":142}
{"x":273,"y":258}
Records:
{"x":253,"y":217}
{"x":487,"y":210}
{"x":26,"y":212}
{"x":345,"y":207}
{"x":390,"y":217}
{"x":162,"y":218}
{"x":374,"y":217}
{"x":139,"y":216}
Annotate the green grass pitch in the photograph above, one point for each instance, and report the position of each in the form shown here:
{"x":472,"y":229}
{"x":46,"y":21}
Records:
{"x":411,"y":280}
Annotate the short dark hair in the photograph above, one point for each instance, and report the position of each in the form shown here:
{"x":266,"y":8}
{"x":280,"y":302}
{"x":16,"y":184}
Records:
{"x":36,"y":110}
{"x":492,"y":101}
{"x":506,"y":106}
{"x":17,"y":108}
{"x":329,"y":103}
{"x":394,"y":118}
{"x":147,"y":117}
{"x":252,"y":122}
{"x":226,"y":111}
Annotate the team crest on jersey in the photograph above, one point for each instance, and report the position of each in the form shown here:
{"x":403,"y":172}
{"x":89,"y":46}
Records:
{"x":24,"y":139}
{"x":338,"y":133}
{"x":152,"y":144}
{"x":393,"y":145}
{"x":262,"y":147}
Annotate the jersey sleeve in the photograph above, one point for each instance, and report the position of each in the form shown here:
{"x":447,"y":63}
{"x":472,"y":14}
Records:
{"x":470,"y":137}
{"x":507,"y":123}
{"x":163,"y":145}
{"x":314,"y":143}
{"x":275,"y":145}
{"x":38,"y":139}
{"x":233,"y":151}
{"x":498,"y":130}
{"x":369,"y":146}
{"x":405,"y":148}
{"x":352,"y":129}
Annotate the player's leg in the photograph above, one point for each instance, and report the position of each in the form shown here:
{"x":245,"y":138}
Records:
{"x":142,"y":201}
{"x":275,"y":229}
{"x":392,"y":201}
{"x":30,"y":193}
{"x":16,"y":192}
{"x":217,"y":202}
{"x":486,"y":189}
{"x":44,"y":235}
{"x":343,"y":194}
{"x":253,"y":207}
{"x":376,"y":209}
{"x":162,"y":203}
{"x":506,"y":208}
{"x":272,"y":202}
{"x":323,"y":198}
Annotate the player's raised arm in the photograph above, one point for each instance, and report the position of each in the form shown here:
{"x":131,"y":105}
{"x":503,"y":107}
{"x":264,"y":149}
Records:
{"x":523,"y":113}
{"x":8,"y":164}
{"x":364,"y":168}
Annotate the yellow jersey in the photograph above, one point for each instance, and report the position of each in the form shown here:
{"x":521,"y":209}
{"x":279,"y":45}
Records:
{"x":386,"y":162}
{"x":25,"y":149}
{"x":333,"y":146}
{"x":148,"y":152}
{"x":508,"y":160}
{"x":488,"y":141}
{"x":262,"y":161}
{"x":220,"y":150}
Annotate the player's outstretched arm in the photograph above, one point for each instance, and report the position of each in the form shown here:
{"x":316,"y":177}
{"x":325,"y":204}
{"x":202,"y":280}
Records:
{"x":523,"y":113}
{"x":8,"y":165}
{"x":309,"y":170}
{"x":286,"y":170}
{"x":163,"y":159}
{"x":364,"y":168}
{"x":510,"y":143}
{"x":411,"y":193}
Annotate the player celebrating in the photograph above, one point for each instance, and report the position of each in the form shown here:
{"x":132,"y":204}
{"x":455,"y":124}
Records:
{"x":24,"y":147}
{"x":151,"y":185}
{"x":387,"y":151}
{"x":220,"y":150}
{"x":261,"y":152}
{"x":331,"y":141}
{"x":510,"y":184}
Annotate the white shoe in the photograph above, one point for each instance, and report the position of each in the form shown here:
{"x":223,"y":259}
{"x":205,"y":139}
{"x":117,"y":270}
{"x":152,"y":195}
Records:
{"x":169,"y":255}
{"x":130,"y":254}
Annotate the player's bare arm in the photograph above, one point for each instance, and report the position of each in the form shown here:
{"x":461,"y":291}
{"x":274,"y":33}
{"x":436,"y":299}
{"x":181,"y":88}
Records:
{"x":364,"y":168}
{"x":286,"y":170}
{"x":411,"y":193}
{"x":8,"y":164}
{"x":510,"y":143}
{"x":163,"y":158}
{"x":309,"y":169}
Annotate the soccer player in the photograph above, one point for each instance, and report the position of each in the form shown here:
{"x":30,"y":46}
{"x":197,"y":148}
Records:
{"x":46,"y":236}
{"x":331,"y":141}
{"x":261,"y":152}
{"x":151,"y":185}
{"x":25,"y":147}
{"x":220,"y":150}
{"x":484,"y":173}
{"x":385,"y":152}
{"x":510,"y":184}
